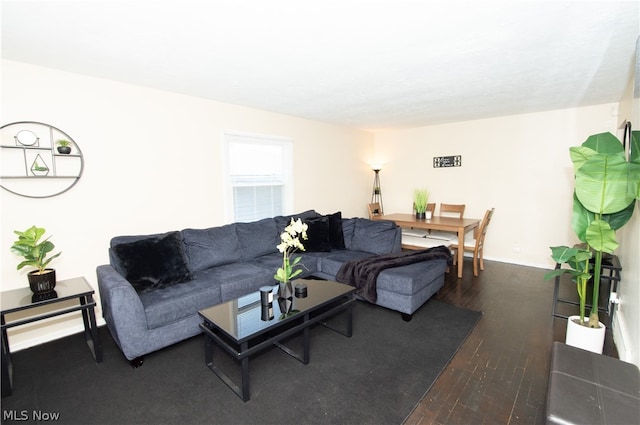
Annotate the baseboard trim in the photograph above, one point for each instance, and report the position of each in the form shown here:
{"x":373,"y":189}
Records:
{"x":618,"y":329}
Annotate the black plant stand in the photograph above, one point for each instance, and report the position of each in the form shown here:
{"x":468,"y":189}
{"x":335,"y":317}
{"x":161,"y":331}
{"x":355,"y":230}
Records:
{"x":609,"y":281}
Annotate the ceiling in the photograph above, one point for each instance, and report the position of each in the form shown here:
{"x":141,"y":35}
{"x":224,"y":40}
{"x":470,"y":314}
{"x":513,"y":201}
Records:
{"x":368,"y":64}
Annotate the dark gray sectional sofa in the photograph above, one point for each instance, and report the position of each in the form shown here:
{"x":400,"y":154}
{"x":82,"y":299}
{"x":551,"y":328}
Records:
{"x":155,"y":285}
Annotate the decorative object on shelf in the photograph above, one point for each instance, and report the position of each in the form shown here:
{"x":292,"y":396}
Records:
{"x":290,"y":242}
{"x":26,"y":138}
{"x":376,"y":193}
{"x":38,"y":160}
{"x":606,"y":189}
{"x":39,"y":167}
{"x":64,"y":147}
{"x":420,"y":200}
{"x":35,"y":253}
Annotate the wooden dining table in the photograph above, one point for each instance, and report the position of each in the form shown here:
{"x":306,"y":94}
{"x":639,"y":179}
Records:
{"x":460,"y":226}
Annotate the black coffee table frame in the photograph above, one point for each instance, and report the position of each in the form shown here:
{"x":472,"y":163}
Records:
{"x":241,"y":350}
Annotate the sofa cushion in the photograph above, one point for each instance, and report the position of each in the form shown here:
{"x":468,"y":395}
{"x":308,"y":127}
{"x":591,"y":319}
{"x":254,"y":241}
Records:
{"x":236,"y":280}
{"x":258,"y":238}
{"x":212,"y":247}
{"x":283,"y":221}
{"x":317,"y":235}
{"x":336,"y":235}
{"x":172,"y":304}
{"x":411,"y":278}
{"x":348,"y":226}
{"x":375,"y":236}
{"x":330,"y":263}
{"x":155,"y":262}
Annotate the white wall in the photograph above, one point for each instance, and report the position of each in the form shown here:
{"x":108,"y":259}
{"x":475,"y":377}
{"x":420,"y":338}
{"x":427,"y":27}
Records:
{"x":153,"y":163}
{"x":521,"y":166}
{"x":518,"y":164}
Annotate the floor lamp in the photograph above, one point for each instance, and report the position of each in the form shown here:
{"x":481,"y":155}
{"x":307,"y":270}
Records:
{"x":376,"y":193}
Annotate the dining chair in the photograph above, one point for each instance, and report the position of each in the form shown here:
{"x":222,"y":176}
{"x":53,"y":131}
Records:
{"x":374,"y":210}
{"x":417,"y":242}
{"x":448,"y":210}
{"x":477,"y":244}
{"x":452,"y":210}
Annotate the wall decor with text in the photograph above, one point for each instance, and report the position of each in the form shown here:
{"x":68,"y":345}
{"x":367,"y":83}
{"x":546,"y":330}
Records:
{"x":447,"y":161}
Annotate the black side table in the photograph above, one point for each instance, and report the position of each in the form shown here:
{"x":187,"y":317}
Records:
{"x":23,"y":299}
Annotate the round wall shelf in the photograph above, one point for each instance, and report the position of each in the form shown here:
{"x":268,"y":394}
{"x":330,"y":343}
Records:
{"x":38,"y":160}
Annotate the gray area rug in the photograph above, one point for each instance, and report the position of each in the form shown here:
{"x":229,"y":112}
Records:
{"x":375,"y":377}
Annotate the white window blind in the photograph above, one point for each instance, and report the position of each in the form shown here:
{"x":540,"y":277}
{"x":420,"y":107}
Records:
{"x":259,"y":175}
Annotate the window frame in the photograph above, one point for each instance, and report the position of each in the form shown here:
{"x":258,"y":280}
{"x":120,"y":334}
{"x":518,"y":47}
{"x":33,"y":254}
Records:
{"x":286,"y":143}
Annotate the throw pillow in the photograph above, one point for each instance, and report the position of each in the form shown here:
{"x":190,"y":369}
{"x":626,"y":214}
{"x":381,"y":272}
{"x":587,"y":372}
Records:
{"x":376,"y":237}
{"x":284,"y":221}
{"x":317,"y":234}
{"x":336,"y":235}
{"x":154,"y":263}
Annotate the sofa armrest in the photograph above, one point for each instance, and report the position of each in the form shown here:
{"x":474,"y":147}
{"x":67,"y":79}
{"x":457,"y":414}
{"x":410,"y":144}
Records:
{"x":121,"y":308}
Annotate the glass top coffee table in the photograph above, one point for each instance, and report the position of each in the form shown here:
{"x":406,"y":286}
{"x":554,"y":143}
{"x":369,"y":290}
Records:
{"x":243,"y":326}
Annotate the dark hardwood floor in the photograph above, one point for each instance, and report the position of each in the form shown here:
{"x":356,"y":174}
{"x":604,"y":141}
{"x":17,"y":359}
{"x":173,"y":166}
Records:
{"x":500,"y":374}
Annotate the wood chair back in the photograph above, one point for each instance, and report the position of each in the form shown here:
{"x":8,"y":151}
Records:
{"x":482,"y":229}
{"x":478,"y":247}
{"x":374,"y":210}
{"x":452,"y":210}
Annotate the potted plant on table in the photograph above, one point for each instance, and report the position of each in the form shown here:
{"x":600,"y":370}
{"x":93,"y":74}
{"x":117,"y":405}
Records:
{"x":35,"y":251}
{"x":420,"y":200}
{"x":607,"y":186}
{"x":290,"y":243}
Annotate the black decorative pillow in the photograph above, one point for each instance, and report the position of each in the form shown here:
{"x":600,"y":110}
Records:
{"x":336,"y":236}
{"x":318,"y":235}
{"x":154,"y":263}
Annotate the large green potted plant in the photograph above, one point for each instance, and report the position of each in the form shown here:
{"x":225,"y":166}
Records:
{"x":607,"y":185}
{"x":35,"y":253}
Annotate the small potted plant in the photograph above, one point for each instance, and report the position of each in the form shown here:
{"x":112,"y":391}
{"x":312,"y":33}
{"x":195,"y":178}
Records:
{"x":35,"y":253}
{"x":420,"y":200}
{"x":64,"y":146}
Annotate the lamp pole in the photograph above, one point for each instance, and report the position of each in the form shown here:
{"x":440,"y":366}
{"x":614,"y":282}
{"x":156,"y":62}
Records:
{"x":376,"y":194}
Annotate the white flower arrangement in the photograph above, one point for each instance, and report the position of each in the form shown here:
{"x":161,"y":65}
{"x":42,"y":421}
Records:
{"x":290,"y":243}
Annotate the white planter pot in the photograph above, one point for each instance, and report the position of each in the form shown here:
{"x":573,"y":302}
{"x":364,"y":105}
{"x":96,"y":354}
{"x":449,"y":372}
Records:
{"x":590,"y":339}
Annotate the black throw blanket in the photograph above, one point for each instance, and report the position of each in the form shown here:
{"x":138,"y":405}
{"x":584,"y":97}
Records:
{"x":363,"y":273}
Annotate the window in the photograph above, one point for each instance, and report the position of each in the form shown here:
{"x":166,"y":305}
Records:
{"x":258,"y":175}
